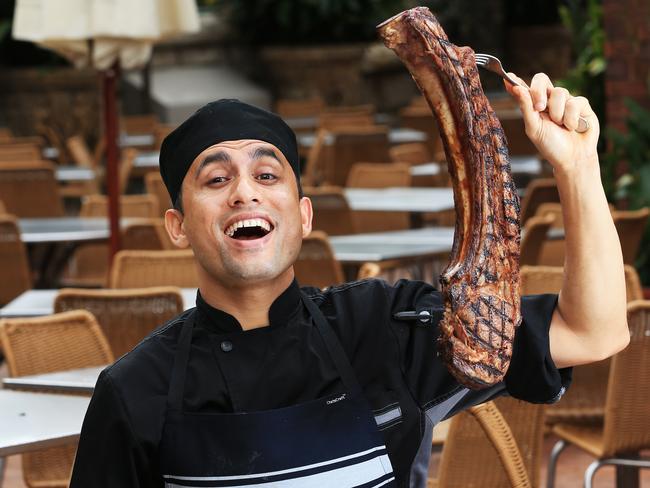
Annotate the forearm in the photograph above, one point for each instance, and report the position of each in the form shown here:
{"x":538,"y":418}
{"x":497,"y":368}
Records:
{"x":592,"y":302}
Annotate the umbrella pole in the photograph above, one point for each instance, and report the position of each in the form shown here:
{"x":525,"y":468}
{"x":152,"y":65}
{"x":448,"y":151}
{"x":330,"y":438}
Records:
{"x":109,"y":86}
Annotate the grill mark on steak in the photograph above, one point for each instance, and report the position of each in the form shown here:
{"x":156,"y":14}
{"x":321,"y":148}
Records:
{"x":480,"y":285}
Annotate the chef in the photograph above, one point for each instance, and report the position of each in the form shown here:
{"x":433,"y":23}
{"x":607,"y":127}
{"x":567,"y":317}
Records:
{"x":268,"y":384}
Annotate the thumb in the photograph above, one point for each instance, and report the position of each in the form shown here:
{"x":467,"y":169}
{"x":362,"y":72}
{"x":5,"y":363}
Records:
{"x":521,"y":94}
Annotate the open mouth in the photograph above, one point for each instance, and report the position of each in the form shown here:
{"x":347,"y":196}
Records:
{"x":249,"y":229}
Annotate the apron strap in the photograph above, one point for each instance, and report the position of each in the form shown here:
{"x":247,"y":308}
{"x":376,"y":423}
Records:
{"x":177,"y":381}
{"x":333,"y":346}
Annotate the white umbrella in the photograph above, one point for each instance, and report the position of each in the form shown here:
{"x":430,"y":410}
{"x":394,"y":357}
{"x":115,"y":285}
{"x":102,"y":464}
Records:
{"x":107,"y":35}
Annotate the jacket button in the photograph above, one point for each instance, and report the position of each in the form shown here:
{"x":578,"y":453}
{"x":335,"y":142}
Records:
{"x":226,"y":346}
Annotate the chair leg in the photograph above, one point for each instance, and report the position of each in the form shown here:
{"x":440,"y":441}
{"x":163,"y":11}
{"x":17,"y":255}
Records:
{"x":552,"y":462}
{"x":590,"y":472}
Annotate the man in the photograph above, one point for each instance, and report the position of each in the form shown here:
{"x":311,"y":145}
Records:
{"x":267,"y":385}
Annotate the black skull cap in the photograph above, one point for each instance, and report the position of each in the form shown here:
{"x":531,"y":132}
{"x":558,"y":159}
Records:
{"x":219,"y":121}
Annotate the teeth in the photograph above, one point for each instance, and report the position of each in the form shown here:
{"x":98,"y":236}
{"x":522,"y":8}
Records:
{"x":230,"y":231}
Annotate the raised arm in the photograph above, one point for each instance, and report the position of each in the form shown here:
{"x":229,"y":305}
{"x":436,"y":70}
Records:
{"x":589,"y":323}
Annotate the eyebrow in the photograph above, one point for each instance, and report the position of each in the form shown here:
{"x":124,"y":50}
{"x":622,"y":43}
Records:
{"x":217,"y":157}
{"x":261,"y":152}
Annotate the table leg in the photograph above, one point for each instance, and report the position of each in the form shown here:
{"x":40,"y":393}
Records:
{"x":628,"y":477}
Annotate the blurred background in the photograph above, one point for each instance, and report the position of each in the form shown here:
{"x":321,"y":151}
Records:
{"x":85,"y":105}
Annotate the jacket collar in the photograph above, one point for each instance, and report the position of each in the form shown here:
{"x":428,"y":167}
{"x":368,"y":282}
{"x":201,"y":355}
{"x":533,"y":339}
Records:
{"x":282,"y":310}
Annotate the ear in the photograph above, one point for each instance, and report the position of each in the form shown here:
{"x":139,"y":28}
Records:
{"x":175,"y":228}
{"x":306,"y":213}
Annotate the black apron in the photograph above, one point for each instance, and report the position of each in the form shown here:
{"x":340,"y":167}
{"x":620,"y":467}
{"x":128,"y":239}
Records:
{"x":328,"y":442}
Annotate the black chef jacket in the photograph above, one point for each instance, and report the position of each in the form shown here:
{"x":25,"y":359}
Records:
{"x":231,"y":370}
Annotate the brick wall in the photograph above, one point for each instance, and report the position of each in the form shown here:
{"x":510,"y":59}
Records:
{"x":627,"y":49}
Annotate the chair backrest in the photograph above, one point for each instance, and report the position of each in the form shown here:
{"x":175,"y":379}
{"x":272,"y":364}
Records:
{"x":155,"y":186}
{"x":145,"y":234}
{"x":533,"y":239}
{"x":627,"y":428}
{"x":554,"y":209}
{"x":299,"y":108}
{"x":630,"y":226}
{"x":5,"y":134}
{"x":378,"y":175}
{"x":410,"y":153}
{"x":482,"y":447}
{"x":391,"y":270}
{"x":538,"y":191}
{"x":353,"y":145}
{"x":139,"y":124}
{"x":16,"y":275}
{"x":145,"y":206}
{"x":160,"y":132}
{"x":536,"y":280}
{"x":79,"y":151}
{"x":30,"y":189}
{"x":332,"y":213}
{"x":318,"y":160}
{"x":127,"y":162}
{"x":38,"y":345}
{"x":337,"y":121}
{"x":419,"y":116}
{"x":519,"y":144}
{"x":139,"y":269}
{"x":125,"y":316}
{"x":317,"y":265}
{"x":19,"y":152}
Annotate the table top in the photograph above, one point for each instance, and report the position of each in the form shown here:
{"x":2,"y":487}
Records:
{"x":398,"y":135}
{"x":66,"y":229}
{"x":74,"y":173}
{"x":32,"y":421}
{"x":34,"y":303}
{"x":311,"y":121}
{"x":398,"y":199}
{"x":136,"y":140}
{"x":147,"y":160}
{"x":81,"y":380}
{"x":518,"y":164}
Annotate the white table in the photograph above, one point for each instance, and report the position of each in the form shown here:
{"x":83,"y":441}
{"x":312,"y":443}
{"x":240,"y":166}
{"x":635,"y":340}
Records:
{"x":35,"y":303}
{"x":74,"y":173}
{"x":518,"y":164}
{"x":136,"y":140}
{"x":147,"y":160}
{"x":399,"y":135}
{"x":311,"y":122}
{"x":81,"y":380}
{"x":66,"y":229}
{"x":32,"y":421}
{"x":407,"y":199}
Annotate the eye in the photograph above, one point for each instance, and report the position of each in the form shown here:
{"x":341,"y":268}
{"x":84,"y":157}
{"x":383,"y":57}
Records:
{"x":267,"y":177}
{"x":217,"y":179}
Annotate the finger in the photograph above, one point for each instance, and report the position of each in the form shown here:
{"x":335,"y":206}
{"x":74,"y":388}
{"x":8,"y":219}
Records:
{"x":575,"y":106}
{"x":522,"y":95}
{"x":557,"y":104}
{"x":540,"y":86}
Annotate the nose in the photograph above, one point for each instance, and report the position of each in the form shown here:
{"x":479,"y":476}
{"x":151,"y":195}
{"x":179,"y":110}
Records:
{"x":244,"y":191}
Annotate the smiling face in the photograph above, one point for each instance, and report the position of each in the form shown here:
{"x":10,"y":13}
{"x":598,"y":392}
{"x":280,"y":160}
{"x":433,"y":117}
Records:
{"x":242,"y":215}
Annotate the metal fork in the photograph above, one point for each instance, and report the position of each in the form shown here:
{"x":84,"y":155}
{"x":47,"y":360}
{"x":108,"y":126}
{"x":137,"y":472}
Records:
{"x":492,"y":63}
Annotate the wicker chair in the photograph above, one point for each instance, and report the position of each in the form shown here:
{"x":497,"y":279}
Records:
{"x":309,"y":107}
{"x":316,"y":264}
{"x":538,"y":191}
{"x":332,"y":214}
{"x":125,"y":316}
{"x":379,"y":175}
{"x":533,"y":239}
{"x":483,"y":449}
{"x":139,"y":124}
{"x":630,"y":226}
{"x":410,"y":153}
{"x":16,"y":275}
{"x":626,"y":428}
{"x":418,"y":116}
{"x":317,"y":160}
{"x":19,"y":152}
{"x":43,"y":345}
{"x":30,"y":189}
{"x":397,"y":269}
{"x":584,"y":402}
{"x":352,"y":145}
{"x":146,"y":234}
{"x":155,"y":186}
{"x":88,"y":266}
{"x":140,"y":269}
